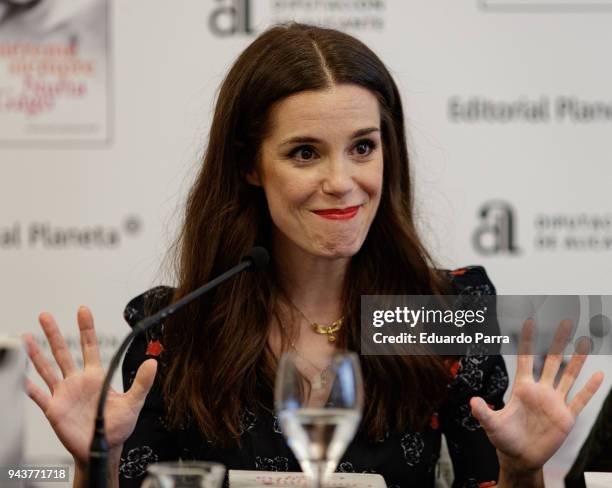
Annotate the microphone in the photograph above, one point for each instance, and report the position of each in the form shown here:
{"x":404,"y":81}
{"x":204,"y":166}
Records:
{"x":256,"y":259}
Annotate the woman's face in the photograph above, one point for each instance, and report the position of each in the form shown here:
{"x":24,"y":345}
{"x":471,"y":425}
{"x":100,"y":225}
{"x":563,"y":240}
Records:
{"x":321,"y":168}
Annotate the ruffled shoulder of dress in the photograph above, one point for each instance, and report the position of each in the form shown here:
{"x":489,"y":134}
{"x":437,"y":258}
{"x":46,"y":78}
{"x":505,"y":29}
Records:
{"x":470,"y":280}
{"x":147,"y":303}
{"x":144,"y":305}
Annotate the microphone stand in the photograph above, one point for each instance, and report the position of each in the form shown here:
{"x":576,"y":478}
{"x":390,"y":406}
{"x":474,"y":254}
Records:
{"x":257,"y":258}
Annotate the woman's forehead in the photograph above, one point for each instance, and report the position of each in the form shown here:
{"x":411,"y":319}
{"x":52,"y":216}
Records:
{"x":349,"y":107}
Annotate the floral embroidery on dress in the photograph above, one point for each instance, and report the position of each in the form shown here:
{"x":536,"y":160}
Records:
{"x":466,"y":419}
{"x":247,"y":421}
{"x":497,"y":382}
{"x":482,"y":289}
{"x":482,"y":350}
{"x":474,"y":296}
{"x":278,"y":463}
{"x":470,"y":373}
{"x":136,"y":462}
{"x":412,"y":446}
{"x":346,"y":467}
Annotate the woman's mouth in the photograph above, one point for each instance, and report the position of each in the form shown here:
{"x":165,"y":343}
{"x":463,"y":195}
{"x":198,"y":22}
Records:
{"x":338,"y":213}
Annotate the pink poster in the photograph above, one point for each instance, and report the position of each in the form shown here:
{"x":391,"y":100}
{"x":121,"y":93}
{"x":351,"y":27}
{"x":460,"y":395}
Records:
{"x":54,"y":72}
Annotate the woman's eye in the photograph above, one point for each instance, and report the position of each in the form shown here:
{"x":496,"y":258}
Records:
{"x":365,"y":147}
{"x":303,"y":153}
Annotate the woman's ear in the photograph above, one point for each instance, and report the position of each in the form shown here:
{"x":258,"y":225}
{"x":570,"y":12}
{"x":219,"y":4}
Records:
{"x":252,"y":177}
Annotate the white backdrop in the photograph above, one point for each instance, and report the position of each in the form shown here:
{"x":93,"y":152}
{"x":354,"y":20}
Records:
{"x":509,"y":113}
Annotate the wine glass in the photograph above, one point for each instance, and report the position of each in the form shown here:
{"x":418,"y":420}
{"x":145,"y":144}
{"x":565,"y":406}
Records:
{"x":319,"y":415}
{"x":184,"y":474}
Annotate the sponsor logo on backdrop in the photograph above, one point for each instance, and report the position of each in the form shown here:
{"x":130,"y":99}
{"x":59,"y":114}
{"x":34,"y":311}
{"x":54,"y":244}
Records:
{"x":539,"y":110}
{"x":545,"y":5}
{"x":495,"y":232}
{"x":245,"y":17}
{"x":573,"y":231}
{"x":47,"y":235}
{"x":231,"y":17}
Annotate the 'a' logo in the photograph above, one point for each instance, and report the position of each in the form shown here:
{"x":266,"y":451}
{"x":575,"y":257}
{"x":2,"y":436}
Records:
{"x":231,"y":17}
{"x":496,"y":232}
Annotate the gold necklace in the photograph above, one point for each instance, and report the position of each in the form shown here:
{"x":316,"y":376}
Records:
{"x":328,"y":330}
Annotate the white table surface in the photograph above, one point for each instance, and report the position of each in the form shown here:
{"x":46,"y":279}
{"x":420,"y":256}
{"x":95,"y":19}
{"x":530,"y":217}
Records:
{"x":598,"y":480}
{"x":250,"y":479}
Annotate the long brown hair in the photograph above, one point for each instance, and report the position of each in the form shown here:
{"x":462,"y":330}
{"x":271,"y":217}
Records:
{"x":217,"y":358}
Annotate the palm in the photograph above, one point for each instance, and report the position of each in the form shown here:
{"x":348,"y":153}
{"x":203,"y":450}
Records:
{"x":537,"y":419}
{"x":71,"y":409}
{"x":532,"y":425}
{"x":74,"y":403}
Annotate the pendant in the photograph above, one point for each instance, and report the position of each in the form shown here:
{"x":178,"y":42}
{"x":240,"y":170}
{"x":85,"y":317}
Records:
{"x":320,"y":380}
{"x":328,"y":330}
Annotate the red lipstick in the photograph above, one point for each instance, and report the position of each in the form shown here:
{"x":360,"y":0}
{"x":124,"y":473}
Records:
{"x":338,"y":213}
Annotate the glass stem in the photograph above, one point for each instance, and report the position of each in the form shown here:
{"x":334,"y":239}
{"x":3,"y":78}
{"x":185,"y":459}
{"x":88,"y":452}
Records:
{"x":317,"y":481}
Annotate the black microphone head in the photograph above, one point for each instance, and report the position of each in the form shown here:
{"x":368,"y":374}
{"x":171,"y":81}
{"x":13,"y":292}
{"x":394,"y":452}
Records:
{"x":259,"y":258}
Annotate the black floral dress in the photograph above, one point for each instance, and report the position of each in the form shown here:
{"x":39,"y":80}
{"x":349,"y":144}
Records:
{"x":404,"y":459}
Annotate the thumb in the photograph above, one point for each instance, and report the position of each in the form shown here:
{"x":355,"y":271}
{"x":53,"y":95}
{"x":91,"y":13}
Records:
{"x":482,"y":413}
{"x":142,"y":383}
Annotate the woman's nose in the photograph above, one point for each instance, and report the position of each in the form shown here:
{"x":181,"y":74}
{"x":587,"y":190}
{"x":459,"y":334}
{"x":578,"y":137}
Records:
{"x":338,"y":178}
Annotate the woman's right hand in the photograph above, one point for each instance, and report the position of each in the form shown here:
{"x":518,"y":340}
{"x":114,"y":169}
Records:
{"x":71,"y":406}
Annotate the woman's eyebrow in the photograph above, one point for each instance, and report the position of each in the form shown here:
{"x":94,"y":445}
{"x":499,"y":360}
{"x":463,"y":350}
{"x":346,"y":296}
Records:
{"x":314,"y":140}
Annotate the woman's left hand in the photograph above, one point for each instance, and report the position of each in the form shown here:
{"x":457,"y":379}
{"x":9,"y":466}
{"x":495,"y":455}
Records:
{"x":537,"y":418}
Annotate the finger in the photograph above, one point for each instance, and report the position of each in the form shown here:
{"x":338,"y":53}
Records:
{"x":41,"y":398}
{"x":43,"y":367}
{"x":89,"y":340}
{"x":524,"y":366}
{"x":482,"y":413}
{"x":555,"y":352}
{"x":574,"y":366}
{"x":584,"y":396}
{"x":60,"y":350}
{"x":143,"y":381}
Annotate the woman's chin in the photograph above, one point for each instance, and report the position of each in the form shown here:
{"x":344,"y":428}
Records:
{"x":337,"y":251}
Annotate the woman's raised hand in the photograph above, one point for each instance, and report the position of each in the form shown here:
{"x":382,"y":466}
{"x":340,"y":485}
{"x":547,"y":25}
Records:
{"x":537,"y":418}
{"x":71,"y":405}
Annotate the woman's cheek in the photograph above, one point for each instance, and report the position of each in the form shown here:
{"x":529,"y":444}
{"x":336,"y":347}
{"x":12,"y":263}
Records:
{"x":373,"y":181}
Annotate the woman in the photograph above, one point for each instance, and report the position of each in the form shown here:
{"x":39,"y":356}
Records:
{"x":307,"y":157}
